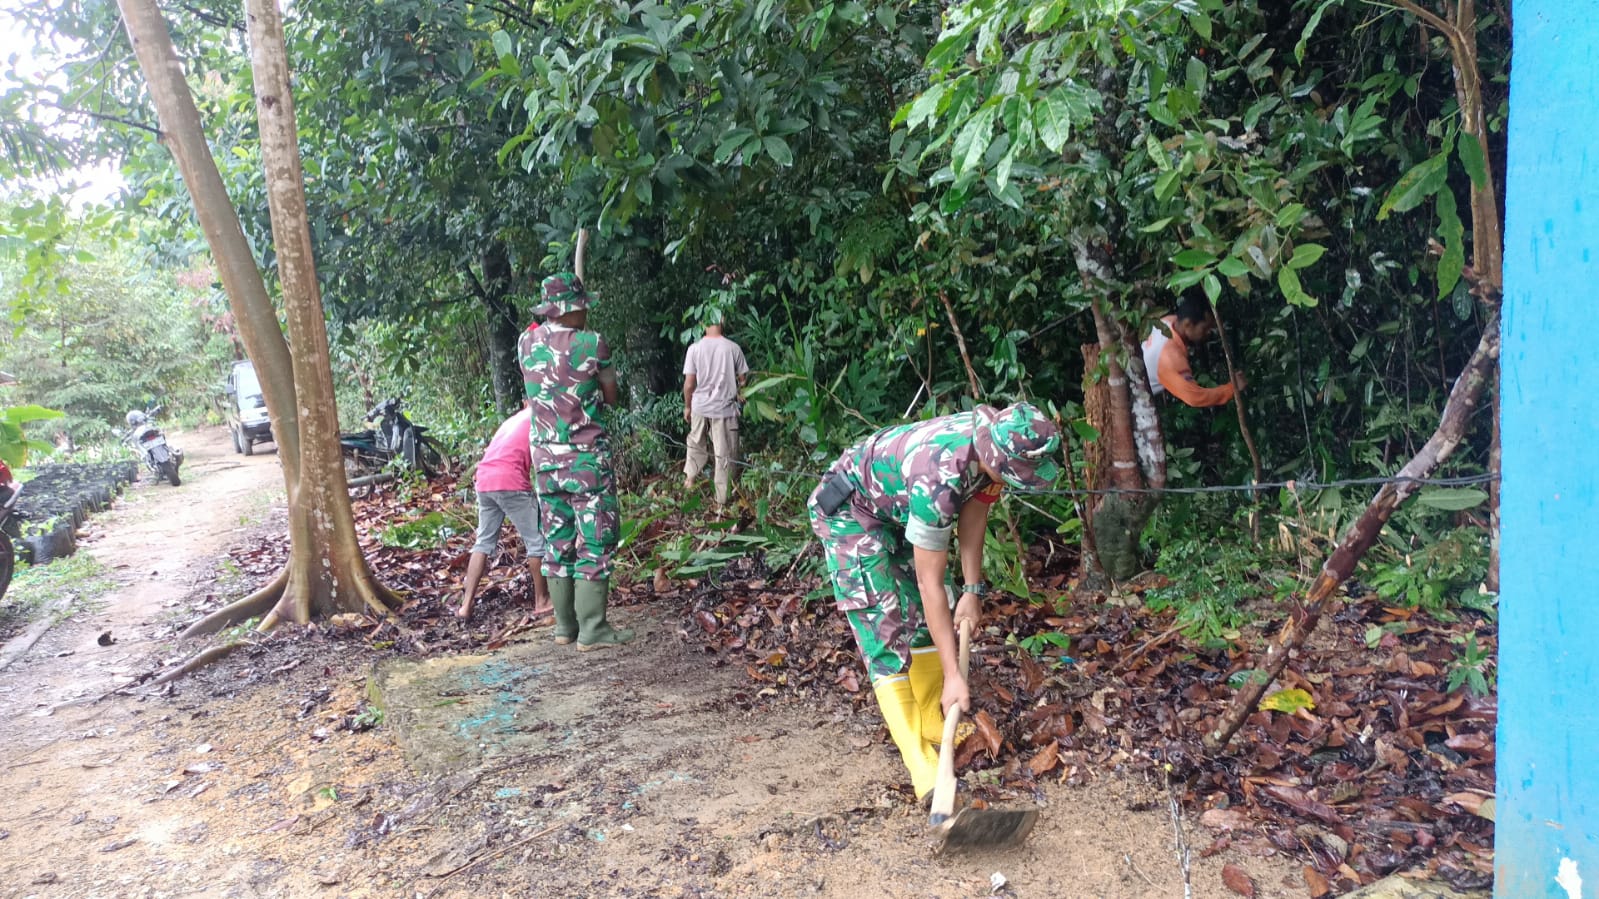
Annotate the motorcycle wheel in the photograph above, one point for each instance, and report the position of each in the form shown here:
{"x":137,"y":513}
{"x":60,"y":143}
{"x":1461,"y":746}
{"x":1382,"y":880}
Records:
{"x":8,"y":561}
{"x":169,"y":470}
{"x":434,"y":460}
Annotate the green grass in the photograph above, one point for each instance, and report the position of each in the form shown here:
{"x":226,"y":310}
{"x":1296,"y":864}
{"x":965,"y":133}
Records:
{"x":36,"y":587}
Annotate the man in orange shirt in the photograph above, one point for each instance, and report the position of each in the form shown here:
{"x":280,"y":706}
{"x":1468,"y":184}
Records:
{"x":1166,"y":357}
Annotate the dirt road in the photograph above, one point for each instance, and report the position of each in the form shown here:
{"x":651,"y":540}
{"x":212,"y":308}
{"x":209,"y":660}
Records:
{"x":528,"y":771}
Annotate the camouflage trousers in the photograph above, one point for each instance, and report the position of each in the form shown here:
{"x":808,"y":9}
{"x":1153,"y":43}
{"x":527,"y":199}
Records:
{"x":582,"y":522}
{"x":874,"y":583}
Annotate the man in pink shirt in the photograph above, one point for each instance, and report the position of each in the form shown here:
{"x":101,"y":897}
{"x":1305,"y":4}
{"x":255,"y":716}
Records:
{"x":505,"y":490}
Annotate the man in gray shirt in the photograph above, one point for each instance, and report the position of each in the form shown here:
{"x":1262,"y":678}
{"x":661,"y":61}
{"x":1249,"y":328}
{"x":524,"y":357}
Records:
{"x":713,"y":372}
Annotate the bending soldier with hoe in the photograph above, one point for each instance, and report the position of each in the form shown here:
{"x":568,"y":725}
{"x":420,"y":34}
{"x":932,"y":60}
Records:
{"x":713,"y":371}
{"x":1166,"y":357}
{"x":568,"y":374}
{"x":885,"y":513}
{"x":505,"y":491}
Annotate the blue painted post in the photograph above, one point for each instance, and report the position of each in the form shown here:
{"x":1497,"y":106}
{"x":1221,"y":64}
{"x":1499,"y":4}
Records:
{"x":1547,"y":841}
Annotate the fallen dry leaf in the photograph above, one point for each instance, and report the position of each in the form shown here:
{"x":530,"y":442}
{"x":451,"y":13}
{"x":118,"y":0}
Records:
{"x":1224,"y":819}
{"x":1237,"y":881}
{"x":1045,"y":759}
{"x":1316,"y":883}
{"x":988,"y":733}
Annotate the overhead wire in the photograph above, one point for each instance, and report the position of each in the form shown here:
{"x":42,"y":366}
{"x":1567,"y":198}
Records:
{"x":1308,"y":485}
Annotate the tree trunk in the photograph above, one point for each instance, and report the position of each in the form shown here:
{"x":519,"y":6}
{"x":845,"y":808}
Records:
{"x":183,"y":135}
{"x":1134,"y":448}
{"x":1487,"y":231}
{"x":1457,"y":414}
{"x":326,"y":571}
{"x":505,"y":327}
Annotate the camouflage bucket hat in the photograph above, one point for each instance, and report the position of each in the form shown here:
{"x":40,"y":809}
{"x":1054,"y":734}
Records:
{"x":1020,"y":443}
{"x":563,"y":293}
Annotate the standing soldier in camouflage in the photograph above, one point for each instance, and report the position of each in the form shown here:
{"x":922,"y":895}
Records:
{"x":886,"y":512}
{"x":567,"y":372}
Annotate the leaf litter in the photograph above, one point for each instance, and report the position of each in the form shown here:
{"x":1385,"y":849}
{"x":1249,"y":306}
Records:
{"x":1362,"y":764}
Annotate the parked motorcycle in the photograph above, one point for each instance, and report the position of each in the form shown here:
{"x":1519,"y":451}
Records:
{"x":147,"y":440}
{"x":396,"y":437}
{"x":10,"y":490}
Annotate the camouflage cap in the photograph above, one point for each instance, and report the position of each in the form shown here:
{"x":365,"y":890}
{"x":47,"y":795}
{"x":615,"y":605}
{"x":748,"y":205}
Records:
{"x":1019,"y":443}
{"x":563,"y":293}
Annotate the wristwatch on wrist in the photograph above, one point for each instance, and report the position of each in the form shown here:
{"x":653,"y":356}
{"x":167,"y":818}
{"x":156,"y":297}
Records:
{"x":979,"y":589}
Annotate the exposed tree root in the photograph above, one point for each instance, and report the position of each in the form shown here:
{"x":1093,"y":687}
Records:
{"x":200,"y":659}
{"x":256,"y":605}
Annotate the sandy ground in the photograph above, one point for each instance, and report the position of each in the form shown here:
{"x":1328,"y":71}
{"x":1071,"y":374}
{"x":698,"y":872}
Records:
{"x":531,"y":771}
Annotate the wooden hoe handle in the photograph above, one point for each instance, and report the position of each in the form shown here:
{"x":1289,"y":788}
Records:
{"x":944,"y":787}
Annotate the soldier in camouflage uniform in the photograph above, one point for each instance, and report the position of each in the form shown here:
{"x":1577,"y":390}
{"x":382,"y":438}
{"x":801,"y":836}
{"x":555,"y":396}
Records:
{"x":567,"y":372}
{"x":885,"y":513}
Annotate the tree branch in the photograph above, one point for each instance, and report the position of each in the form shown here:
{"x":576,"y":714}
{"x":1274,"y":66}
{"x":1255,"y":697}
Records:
{"x":1448,"y":30}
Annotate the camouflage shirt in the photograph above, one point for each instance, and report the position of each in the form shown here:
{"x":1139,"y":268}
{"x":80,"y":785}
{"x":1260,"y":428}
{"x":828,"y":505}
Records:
{"x":563,"y":369}
{"x":918,"y":476}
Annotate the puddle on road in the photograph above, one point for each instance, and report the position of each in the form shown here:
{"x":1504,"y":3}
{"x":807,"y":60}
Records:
{"x":456,"y":711}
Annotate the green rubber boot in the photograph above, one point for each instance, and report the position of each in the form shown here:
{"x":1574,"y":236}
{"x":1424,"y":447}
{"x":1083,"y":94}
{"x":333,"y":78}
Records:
{"x":594,"y":632}
{"x":561,"y":596}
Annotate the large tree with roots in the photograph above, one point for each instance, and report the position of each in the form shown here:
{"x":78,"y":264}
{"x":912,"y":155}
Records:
{"x":326,"y":572}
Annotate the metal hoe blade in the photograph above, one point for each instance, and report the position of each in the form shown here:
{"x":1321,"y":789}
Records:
{"x":986,"y":828}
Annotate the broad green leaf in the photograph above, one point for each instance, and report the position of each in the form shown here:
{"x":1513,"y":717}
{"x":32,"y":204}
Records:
{"x":1212,"y":288}
{"x":1452,"y":499}
{"x":1193,"y":259}
{"x":1453,"y":261}
{"x":777,"y":148}
{"x":1288,"y":701}
{"x":1157,"y":153}
{"x":1471,"y":157}
{"x":1160,"y":225}
{"x":730,"y":143}
{"x":18,"y":415}
{"x":1052,"y":117}
{"x":1290,"y":215}
{"x":1196,"y":76}
{"x":1293,"y":291}
{"x":1186,"y":279}
{"x":971,"y":144}
{"x":1043,"y":16}
{"x":1200,"y":23}
{"x":1422,"y":181}
{"x":1309,"y":29}
{"x":1166,"y":185}
{"x":502,"y":43}
{"x":1232,"y":267}
{"x":1305,"y":255}
{"x":925,"y":107}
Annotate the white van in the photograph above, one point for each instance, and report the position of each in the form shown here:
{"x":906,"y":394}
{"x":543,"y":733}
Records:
{"x":247,"y":412}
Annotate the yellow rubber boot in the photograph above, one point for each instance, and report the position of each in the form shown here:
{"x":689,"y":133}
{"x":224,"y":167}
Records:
{"x":927,"y":682}
{"x":898,"y":704}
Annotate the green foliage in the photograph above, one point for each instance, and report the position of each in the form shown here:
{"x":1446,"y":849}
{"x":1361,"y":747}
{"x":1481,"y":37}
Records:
{"x":1216,"y":576}
{"x":1046,"y":644}
{"x":424,"y":532}
{"x":78,"y":578}
{"x":122,"y":332}
{"x":1439,"y":574}
{"x":1475,"y":667}
{"x":14,"y":443}
{"x":830,"y":177}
